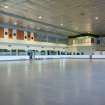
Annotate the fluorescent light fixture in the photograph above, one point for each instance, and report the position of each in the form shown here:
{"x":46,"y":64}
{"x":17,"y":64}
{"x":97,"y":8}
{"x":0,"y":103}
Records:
{"x":6,"y":6}
{"x":61,"y":24}
{"x":40,"y":17}
{"x":96,"y":18}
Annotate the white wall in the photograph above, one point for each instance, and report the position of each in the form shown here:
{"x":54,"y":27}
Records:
{"x":98,"y":56}
{"x":13,"y":58}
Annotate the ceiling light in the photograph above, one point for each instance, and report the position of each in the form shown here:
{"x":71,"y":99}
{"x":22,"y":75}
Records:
{"x":96,"y":18}
{"x":61,"y":24}
{"x":6,"y":6}
{"x":40,"y":17}
{"x":15,"y":23}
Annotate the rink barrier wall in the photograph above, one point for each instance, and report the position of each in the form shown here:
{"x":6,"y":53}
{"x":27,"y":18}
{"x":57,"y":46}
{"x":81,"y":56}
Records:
{"x":98,"y":56}
{"x":4,"y":58}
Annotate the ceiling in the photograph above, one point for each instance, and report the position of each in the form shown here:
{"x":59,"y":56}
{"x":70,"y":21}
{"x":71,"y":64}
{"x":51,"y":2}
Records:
{"x":68,"y":17}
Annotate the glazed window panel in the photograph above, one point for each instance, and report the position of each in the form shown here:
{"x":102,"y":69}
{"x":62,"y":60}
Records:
{"x":92,"y":40}
{"x":14,"y":52}
{"x":28,"y":35}
{"x":35,"y":37}
{"x":4,"y":52}
{"x":43,"y":52}
{"x":53,"y":52}
{"x":21,"y":52}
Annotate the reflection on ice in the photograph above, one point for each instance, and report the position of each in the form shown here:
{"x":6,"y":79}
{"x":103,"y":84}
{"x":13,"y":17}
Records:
{"x":52,"y":82}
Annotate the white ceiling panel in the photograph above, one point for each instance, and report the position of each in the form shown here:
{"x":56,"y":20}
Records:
{"x":77,"y":15}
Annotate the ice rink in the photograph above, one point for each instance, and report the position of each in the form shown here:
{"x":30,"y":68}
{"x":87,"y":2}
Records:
{"x":52,"y":82}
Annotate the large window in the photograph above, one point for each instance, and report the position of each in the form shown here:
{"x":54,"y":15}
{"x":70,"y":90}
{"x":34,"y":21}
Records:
{"x":62,"y":53}
{"x":53,"y":52}
{"x":13,"y":52}
{"x":21,"y":52}
{"x":43,"y":52}
{"x":58,"y":52}
{"x":4,"y":52}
